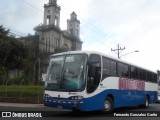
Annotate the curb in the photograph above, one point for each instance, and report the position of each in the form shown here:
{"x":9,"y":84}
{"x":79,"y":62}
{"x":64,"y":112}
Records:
{"x":21,"y":105}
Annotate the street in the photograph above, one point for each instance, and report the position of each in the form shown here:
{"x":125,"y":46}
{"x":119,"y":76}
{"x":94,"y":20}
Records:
{"x":67,"y":114}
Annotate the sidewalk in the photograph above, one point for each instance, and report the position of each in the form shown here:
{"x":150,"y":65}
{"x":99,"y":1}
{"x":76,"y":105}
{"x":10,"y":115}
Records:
{"x":21,"y":105}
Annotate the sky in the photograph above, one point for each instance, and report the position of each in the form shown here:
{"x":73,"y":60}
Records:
{"x":133,"y":24}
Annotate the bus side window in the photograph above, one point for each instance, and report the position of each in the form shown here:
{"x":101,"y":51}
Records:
{"x":106,"y":68}
{"x":109,"y":68}
{"x":113,"y":68}
{"x":94,"y":73}
{"x":120,"y":69}
{"x":132,"y":72}
{"x":123,"y":70}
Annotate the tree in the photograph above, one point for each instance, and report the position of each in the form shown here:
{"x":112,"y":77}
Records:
{"x":12,"y":52}
{"x":65,"y":48}
{"x":3,"y":32}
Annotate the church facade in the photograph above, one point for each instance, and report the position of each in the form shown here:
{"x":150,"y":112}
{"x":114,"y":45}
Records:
{"x":51,"y":37}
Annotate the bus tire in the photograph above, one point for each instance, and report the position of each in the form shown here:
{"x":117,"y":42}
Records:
{"x":146,"y":103}
{"x":75,"y":110}
{"x":108,"y":105}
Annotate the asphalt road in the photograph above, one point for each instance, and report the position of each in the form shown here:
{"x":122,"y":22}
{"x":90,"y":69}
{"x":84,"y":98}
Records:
{"x":60,"y":114}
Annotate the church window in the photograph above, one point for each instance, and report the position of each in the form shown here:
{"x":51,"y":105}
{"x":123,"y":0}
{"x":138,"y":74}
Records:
{"x":71,"y":31}
{"x":49,"y":43}
{"x":56,"y":43}
{"x":43,"y":40}
{"x":56,"y":21}
{"x":77,"y":32}
{"x":48,"y":19}
{"x":46,"y":44}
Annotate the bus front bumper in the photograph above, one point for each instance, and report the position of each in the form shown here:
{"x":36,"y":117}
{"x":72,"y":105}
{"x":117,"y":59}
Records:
{"x":64,"y":103}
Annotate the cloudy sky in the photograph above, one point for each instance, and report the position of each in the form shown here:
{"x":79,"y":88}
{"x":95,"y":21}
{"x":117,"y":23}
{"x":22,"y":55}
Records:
{"x":134,"y":24}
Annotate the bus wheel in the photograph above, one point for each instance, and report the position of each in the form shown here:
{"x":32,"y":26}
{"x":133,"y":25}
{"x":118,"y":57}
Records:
{"x":75,"y":110}
{"x":146,"y":103}
{"x":108,"y":105}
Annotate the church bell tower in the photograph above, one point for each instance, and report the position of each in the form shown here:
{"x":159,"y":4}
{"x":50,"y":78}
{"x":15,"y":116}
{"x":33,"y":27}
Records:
{"x":52,"y":14}
{"x":73,"y":25}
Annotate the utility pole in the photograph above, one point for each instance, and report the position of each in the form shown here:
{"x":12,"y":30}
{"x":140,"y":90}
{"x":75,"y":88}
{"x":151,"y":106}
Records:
{"x":119,"y":49}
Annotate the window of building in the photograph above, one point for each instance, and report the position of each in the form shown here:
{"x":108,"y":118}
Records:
{"x":71,"y":31}
{"x":48,"y":19}
{"x":77,"y":33}
{"x":56,"y":21}
{"x":56,"y":43}
{"x":49,"y":44}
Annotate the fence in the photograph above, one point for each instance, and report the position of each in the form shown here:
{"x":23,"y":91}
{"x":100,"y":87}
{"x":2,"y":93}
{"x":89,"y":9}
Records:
{"x":22,"y":93}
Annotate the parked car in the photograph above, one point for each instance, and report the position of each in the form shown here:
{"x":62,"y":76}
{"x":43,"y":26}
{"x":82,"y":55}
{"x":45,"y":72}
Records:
{"x":158,"y":96}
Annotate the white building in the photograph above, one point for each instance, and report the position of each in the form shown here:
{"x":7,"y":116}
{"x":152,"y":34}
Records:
{"x":50,"y":34}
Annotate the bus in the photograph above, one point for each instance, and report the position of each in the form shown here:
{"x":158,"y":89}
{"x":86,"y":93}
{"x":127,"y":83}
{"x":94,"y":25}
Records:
{"x":158,"y":73}
{"x":87,"y":81}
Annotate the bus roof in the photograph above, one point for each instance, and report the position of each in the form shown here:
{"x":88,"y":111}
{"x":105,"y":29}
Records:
{"x":102,"y":54}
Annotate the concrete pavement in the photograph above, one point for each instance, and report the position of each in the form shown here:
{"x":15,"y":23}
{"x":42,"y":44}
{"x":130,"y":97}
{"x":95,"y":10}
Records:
{"x":21,"y":105}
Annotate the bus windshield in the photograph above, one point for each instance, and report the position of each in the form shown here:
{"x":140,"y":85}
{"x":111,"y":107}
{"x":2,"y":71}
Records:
{"x":66,"y":73}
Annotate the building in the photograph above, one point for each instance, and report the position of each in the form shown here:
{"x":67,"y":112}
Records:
{"x":51,"y":37}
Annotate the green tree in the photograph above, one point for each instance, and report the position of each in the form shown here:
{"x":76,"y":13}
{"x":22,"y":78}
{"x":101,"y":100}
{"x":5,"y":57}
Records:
{"x":3,"y":32}
{"x":12,"y":52}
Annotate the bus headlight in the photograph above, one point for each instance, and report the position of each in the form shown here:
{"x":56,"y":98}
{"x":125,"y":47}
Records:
{"x":76,"y":97}
{"x":47,"y":96}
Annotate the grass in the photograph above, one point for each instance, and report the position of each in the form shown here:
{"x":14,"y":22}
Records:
{"x":21,"y":91}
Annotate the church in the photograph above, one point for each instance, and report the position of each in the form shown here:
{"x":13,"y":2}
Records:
{"x":51,"y":37}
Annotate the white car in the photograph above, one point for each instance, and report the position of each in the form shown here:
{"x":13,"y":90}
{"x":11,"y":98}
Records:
{"x":158,"y":96}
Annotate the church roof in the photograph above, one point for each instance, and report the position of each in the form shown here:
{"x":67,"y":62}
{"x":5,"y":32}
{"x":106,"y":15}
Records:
{"x":73,"y":13}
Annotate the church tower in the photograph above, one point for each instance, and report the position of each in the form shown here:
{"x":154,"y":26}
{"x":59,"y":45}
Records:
{"x":52,"y":13}
{"x":51,"y":37}
{"x":73,"y":25}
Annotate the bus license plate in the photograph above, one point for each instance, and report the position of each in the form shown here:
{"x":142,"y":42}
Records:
{"x":59,"y":107}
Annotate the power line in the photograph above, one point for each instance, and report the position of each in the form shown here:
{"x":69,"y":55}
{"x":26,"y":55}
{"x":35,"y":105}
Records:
{"x":14,"y":32}
{"x":94,"y":28}
{"x":89,"y":24}
{"x":32,"y":6}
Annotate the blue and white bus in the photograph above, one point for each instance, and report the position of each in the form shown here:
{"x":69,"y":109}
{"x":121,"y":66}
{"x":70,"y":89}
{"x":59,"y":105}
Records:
{"x":87,"y":81}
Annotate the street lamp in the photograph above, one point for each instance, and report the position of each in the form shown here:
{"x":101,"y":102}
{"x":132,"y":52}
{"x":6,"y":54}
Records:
{"x":129,"y":53}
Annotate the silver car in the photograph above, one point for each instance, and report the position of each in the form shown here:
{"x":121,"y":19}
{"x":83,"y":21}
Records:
{"x":158,"y":96}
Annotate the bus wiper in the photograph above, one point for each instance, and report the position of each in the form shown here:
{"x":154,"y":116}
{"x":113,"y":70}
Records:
{"x":68,"y":90}
{"x":75,"y":90}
